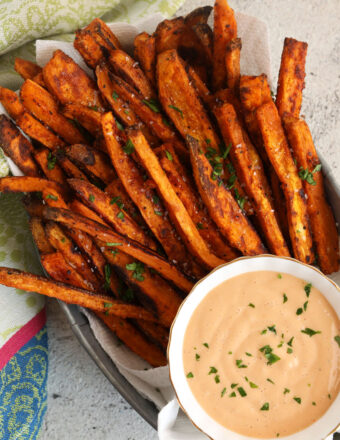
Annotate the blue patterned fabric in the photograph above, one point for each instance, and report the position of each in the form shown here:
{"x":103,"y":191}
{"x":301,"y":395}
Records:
{"x":23,"y":390}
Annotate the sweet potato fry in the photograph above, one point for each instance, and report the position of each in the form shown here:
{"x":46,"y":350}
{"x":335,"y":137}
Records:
{"x":177,"y":212}
{"x":10,"y":100}
{"x":34,"y":129}
{"x":57,"y":268}
{"x":26,"y":69}
{"x":156,"y":293}
{"x":106,"y":207}
{"x":85,"y":116}
{"x":127,"y":68}
{"x":130,"y":247}
{"x":323,"y":225}
{"x":222,"y":207}
{"x":225,"y":29}
{"x":205,"y":36}
{"x":169,"y":34}
{"x":85,"y":211}
{"x":69,"y":168}
{"x":62,"y":243}
{"x":39,"y":79}
{"x":185,"y":190}
{"x":43,"y":106}
{"x":29,"y":184}
{"x":53,"y":198}
{"x":252,"y":175}
{"x":198,"y":16}
{"x":39,"y":236}
{"x":17,"y":147}
{"x":291,"y":80}
{"x":232,"y":63}
{"x":144,"y":50}
{"x":201,"y":89}
{"x":95,"y":42}
{"x":47,"y":161}
{"x":92,"y":161}
{"x":69,"y":83}
{"x":280,"y":156}
{"x":135,"y":340}
{"x":33,"y":205}
{"x":155,"y":332}
{"x":145,"y":198}
{"x":71,"y":295}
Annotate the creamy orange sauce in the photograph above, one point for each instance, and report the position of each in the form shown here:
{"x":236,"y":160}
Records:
{"x":248,"y":363}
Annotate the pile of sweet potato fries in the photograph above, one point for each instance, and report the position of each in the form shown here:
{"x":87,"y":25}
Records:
{"x":168,"y":164}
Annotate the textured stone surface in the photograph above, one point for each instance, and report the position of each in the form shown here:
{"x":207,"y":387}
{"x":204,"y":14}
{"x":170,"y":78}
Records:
{"x":82,"y":404}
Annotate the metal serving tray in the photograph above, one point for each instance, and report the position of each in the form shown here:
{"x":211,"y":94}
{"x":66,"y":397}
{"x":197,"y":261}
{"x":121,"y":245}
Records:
{"x":84,"y":334}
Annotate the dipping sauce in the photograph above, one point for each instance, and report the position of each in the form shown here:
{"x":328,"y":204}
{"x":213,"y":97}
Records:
{"x":262,"y":354}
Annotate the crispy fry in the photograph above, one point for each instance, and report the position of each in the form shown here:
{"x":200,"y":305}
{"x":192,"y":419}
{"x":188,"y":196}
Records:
{"x":10,"y":100}
{"x":53,"y":198}
{"x":279,"y":203}
{"x":156,"y":332}
{"x":33,"y":205}
{"x":43,"y":106}
{"x":134,"y":339}
{"x":34,"y":129}
{"x":279,"y":154}
{"x":85,"y":116}
{"x":130,"y":247}
{"x":291,"y":80}
{"x":39,"y":236}
{"x":62,"y":243}
{"x":95,"y":42}
{"x":99,"y":143}
{"x":185,"y":190}
{"x":39,"y":79}
{"x":156,"y":293}
{"x":205,"y":36}
{"x":201,"y":89}
{"x":26,"y":69}
{"x":225,"y":29}
{"x":29,"y":184}
{"x":93,"y":161}
{"x":111,"y":212}
{"x":71,"y":295}
{"x":252,"y":175}
{"x":127,"y":68}
{"x":57,"y":268}
{"x":177,"y":212}
{"x":198,"y":16}
{"x":69,"y":168}
{"x":85,"y":211}
{"x":47,"y":161}
{"x":232,"y":63}
{"x":169,"y":34}
{"x":323,"y":225}
{"x":145,"y":53}
{"x":17,"y":147}
{"x":222,"y":207}
{"x":69,"y":83}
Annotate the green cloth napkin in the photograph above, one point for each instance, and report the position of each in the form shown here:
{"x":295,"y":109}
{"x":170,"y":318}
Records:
{"x":23,"y":21}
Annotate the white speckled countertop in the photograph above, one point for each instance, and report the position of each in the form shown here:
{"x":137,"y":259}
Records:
{"x":82,"y":404}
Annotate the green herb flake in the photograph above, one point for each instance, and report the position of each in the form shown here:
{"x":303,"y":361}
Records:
{"x":177,"y":110}
{"x":107,"y":273}
{"x":63,"y":240}
{"x":51,"y":161}
{"x":241,"y":391}
{"x":265,"y":407}
{"x":286,"y":390}
{"x":279,"y":276}
{"x":289,"y":350}
{"x":264,"y":332}
{"x":329,"y":397}
{"x":305,"y":306}
{"x":253,"y":385}
{"x":269,"y":380}
{"x":290,"y":342}
{"x":91,"y":198}
{"x":223,"y":391}
{"x":213,"y":370}
{"x":285,"y":298}
{"x":240,"y":200}
{"x":297,"y":399}
{"x":230,"y":352}
{"x":119,"y":125}
{"x":93,"y":107}
{"x":310,"y":332}
{"x":138,"y":269}
{"x":240,"y":364}
{"x":233,"y":394}
{"x":248,"y":354}
{"x":272,"y":329}
{"x":129,"y":148}
{"x":217,"y":378}
{"x":337,"y":340}
{"x":120,"y":215}
{"x":168,"y":155}
{"x":52,"y":197}
{"x":307,"y":175}
{"x":114,"y":244}
{"x":153,"y":104}
{"x":313,"y":403}
{"x":107,"y":305}
{"x":270,"y":356}
{"x":299,"y":311}
{"x":155,"y":199}
{"x":115,"y":96}
{"x":251,"y":305}
{"x":159,"y":213}
{"x":233,"y":385}
{"x":197,"y":357}
{"x":199,"y":226}
{"x":307,"y":289}
{"x":190,"y":375}
{"x":206,"y":345}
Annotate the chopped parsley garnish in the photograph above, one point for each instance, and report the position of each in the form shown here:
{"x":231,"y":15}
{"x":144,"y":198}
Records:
{"x":310,"y":332}
{"x":115,"y":96}
{"x":93,"y":107}
{"x":51,"y":161}
{"x":305,"y":306}
{"x":337,"y":340}
{"x":91,"y":198}
{"x":241,"y":391}
{"x":329,"y":396}
{"x":190,"y":375}
{"x":199,"y":226}
{"x":114,"y":244}
{"x":270,"y":356}
{"x":264,"y":331}
{"x":286,"y":390}
{"x":240,"y":200}
{"x":168,"y":155}
{"x":233,"y":394}
{"x":251,"y":305}
{"x":120,"y":215}
{"x":208,"y":141}
{"x":155,"y":199}
{"x":206,"y":345}
{"x":213,"y":370}
{"x":118,"y":201}
{"x":52,"y":197}
{"x":63,"y":240}
{"x":223,"y":391}
{"x":217,"y":378}
{"x":299,"y":311}
{"x":308,"y":288}
{"x":253,"y":385}
{"x":119,"y":125}
{"x":297,"y":399}
{"x":153,"y":104}
{"x":107,"y":272}
{"x":240,"y":364}
{"x":127,"y":112}
{"x":233,"y":385}
{"x":285,"y":298}
{"x":279,"y":275}
{"x":177,"y":109}
{"x":138,"y":269}
{"x":307,"y":175}
{"x":290,"y":342}
{"x":197,"y":357}
{"x":107,"y":305}
{"x":269,"y":380}
{"x":289,"y":350}
{"x":265,"y":407}
{"x":248,"y":354}
{"x":313,"y":403}
{"x":159,"y":213}
{"x":129,"y":148}
{"x":230,"y":352}
{"x":272,"y":329}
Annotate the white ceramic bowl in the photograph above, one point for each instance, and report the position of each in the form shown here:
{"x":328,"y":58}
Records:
{"x":319,"y":430}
